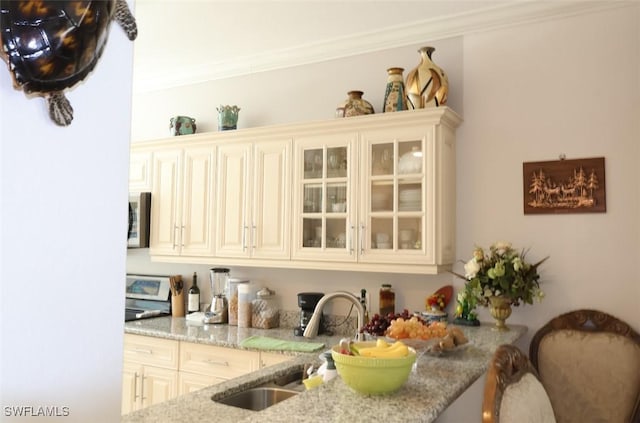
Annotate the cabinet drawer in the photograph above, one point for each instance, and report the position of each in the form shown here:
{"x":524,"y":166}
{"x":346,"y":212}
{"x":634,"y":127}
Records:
{"x":223,"y":363}
{"x":151,"y":351}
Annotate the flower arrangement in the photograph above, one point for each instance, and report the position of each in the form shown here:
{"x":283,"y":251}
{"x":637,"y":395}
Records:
{"x":436,"y":301}
{"x":501,"y":272}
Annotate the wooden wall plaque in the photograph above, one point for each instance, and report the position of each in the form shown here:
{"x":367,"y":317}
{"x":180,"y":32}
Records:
{"x":564,"y":186}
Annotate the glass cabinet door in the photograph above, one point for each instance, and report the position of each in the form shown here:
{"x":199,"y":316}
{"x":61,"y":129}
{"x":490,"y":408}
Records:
{"x":394,"y":205}
{"x":325,"y":199}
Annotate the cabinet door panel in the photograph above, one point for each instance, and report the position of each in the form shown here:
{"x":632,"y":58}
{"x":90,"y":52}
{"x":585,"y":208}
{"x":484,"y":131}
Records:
{"x":232,"y":229}
{"x":191,"y":382}
{"x":140,"y":171}
{"x":197,"y":204}
{"x":271,"y":200}
{"x":158,"y":385}
{"x":165,"y":203}
{"x":131,"y":376}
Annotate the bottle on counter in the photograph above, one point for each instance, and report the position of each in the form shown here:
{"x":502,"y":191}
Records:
{"x":387,"y":300}
{"x":193,"y":302}
{"x":363,"y":301}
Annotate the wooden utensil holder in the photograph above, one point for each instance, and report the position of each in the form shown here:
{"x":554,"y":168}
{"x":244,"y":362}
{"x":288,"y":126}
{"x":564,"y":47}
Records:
{"x":177,"y":305}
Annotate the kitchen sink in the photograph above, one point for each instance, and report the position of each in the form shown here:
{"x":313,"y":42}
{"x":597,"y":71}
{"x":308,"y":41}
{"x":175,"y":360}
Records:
{"x":258,"y":398}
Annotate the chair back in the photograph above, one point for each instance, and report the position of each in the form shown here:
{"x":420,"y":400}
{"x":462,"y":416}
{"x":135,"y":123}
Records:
{"x":512,"y":391}
{"x":589,"y":363}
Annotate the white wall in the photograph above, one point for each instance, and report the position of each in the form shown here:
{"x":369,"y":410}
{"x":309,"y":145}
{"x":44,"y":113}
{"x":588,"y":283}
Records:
{"x":63,"y":222}
{"x":529,"y":93}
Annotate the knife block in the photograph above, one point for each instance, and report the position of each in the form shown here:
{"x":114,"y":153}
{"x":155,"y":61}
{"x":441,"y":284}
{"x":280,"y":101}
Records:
{"x":177,"y":304}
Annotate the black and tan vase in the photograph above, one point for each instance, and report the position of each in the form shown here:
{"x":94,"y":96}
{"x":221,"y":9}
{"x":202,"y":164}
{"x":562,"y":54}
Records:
{"x":355,"y":105}
{"x":427,"y":85}
{"x":395,"y":96}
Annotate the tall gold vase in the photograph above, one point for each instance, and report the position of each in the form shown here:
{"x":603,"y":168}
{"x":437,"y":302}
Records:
{"x":427,"y":85}
{"x":500,"y":309}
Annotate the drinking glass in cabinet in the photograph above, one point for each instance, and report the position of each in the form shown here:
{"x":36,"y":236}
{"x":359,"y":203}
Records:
{"x":337,"y":162}
{"x":337,"y":198}
{"x":336,"y":233}
{"x":382,"y":233}
{"x":312,"y":198}
{"x":382,"y":159}
{"x":381,"y":197}
{"x":312,"y":233}
{"x":313,"y":164}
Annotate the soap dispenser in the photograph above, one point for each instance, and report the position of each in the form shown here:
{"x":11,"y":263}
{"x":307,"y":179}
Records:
{"x":330,"y":371}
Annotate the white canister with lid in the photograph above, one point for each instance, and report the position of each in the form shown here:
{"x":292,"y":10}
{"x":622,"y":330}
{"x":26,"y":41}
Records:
{"x":232,"y":296}
{"x":264,"y":310}
{"x":246,"y":295}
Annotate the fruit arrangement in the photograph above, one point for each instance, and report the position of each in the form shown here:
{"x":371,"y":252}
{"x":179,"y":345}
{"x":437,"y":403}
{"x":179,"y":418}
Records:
{"x":378,"y":324}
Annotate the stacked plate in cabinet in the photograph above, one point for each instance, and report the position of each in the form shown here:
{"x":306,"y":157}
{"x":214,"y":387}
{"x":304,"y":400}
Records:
{"x":410,"y":200}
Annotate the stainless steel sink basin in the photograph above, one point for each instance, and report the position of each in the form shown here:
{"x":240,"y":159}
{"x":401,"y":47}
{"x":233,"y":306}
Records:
{"x":258,"y":398}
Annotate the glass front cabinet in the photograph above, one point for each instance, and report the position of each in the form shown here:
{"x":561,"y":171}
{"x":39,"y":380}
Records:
{"x":381,"y":194}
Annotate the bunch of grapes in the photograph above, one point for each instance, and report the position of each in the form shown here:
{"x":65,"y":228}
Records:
{"x":378,"y":324}
{"x":416,"y":329}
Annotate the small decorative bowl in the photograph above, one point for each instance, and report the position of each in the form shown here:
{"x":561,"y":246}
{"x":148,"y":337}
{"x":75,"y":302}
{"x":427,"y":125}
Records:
{"x":373,"y":376}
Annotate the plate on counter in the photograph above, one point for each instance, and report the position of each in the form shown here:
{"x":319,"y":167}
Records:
{"x":430,"y":346}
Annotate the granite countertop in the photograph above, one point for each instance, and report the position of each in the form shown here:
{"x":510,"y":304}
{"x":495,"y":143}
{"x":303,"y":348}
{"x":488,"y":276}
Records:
{"x":432,"y":387}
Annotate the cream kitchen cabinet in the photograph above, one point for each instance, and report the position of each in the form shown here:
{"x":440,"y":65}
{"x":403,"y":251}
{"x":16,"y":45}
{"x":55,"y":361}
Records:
{"x":149,"y":371}
{"x":366,"y":193}
{"x":182,"y":202}
{"x":204,"y":365}
{"x":140,"y":171}
{"x":324,"y":202}
{"x":253,"y":199}
{"x":379,"y":194}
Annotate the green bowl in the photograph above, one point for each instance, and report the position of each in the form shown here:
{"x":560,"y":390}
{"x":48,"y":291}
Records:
{"x":373,"y":376}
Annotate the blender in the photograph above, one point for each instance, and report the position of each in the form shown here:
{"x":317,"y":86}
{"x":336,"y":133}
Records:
{"x":219,"y":312}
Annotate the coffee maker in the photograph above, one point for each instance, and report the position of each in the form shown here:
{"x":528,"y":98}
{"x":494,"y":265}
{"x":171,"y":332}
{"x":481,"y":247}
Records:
{"x":307,"y":302}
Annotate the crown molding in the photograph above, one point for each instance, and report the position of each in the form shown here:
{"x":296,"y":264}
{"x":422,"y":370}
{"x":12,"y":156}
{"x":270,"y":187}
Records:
{"x":504,"y":15}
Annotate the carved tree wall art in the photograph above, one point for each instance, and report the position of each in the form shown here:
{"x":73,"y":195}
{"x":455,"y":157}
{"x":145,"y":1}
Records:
{"x":564,"y":186}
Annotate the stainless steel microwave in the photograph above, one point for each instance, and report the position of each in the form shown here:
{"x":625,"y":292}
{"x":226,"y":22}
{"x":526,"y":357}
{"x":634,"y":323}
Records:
{"x":139,"y":220}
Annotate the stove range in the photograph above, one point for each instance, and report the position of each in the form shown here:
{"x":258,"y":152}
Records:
{"x":147,"y":296}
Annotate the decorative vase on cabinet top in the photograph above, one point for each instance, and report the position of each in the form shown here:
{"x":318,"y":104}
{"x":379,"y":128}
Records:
{"x":395,"y":96}
{"x":355,"y":105}
{"x":427,"y":84}
{"x":182,"y":125}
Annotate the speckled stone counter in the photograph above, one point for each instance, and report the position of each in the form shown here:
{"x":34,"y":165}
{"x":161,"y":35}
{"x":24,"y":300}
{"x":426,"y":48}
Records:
{"x":432,"y":387}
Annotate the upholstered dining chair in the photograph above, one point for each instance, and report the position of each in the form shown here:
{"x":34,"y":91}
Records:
{"x":589,"y":363}
{"x":512,"y":391}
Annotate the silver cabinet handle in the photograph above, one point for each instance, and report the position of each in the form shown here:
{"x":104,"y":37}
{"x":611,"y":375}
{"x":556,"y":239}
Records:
{"x":254,"y":230}
{"x":182,"y":236}
{"x":244,"y":238}
{"x":142,"y":397}
{"x":362,"y":228}
{"x":175,"y":237}
{"x":142,"y":350}
{"x":135,"y":386}
{"x":217,"y":363}
{"x":352,"y":236}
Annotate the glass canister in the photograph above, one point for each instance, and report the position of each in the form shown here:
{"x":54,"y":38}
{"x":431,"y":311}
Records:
{"x":387,"y":300}
{"x":264,"y":310}
{"x":246,"y":295}
{"x":232,"y":295}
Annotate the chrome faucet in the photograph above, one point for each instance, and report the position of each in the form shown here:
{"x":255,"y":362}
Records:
{"x":311,"y":330}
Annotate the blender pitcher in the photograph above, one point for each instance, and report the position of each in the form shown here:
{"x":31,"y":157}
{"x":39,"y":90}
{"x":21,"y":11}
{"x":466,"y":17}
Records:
{"x":219,"y":285}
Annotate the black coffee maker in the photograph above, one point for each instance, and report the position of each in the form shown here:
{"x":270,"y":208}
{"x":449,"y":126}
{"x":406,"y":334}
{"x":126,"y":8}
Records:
{"x":307,"y":302}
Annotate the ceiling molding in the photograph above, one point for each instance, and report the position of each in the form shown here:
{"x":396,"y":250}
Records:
{"x":505,"y":15}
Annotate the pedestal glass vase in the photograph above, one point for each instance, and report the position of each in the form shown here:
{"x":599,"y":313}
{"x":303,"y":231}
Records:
{"x":500,"y":309}
{"x":427,"y":85}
